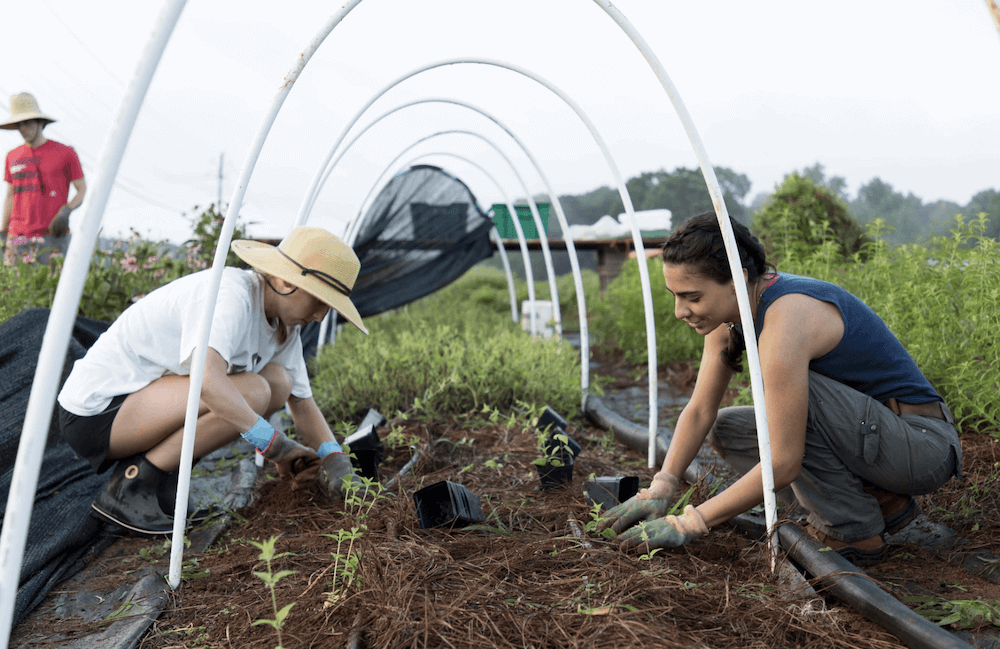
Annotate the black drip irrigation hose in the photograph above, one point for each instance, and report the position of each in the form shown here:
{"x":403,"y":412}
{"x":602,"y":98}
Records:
{"x":843,"y":579}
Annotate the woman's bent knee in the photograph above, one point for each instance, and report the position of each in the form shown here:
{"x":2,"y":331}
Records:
{"x":279,"y":382}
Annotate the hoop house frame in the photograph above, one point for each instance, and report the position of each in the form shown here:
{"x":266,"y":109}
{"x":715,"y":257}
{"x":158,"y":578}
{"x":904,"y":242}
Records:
{"x":56,"y":338}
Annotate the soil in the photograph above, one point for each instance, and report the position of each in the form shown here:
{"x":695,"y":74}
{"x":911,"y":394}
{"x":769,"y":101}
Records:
{"x":529,"y":575}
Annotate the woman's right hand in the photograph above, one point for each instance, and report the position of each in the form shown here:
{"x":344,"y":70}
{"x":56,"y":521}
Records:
{"x":296,"y":462}
{"x":649,"y":504}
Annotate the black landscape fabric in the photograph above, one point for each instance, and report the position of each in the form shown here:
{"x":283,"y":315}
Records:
{"x":422,"y":232}
{"x":62,"y":532}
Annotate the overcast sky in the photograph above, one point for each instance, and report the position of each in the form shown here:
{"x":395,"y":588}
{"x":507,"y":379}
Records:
{"x":908,"y":92}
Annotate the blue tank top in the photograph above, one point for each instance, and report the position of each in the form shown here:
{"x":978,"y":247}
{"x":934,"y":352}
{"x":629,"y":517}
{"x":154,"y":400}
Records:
{"x":869,"y":358}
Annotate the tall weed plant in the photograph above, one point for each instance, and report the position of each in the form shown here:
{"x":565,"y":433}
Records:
{"x":444,"y":354}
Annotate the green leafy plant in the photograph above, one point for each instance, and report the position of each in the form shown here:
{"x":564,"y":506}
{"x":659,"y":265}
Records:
{"x":270,"y":579}
{"x":442,"y":355}
{"x":595,"y":518}
{"x":802,"y":216}
{"x":345,"y":563}
{"x":961,"y":613}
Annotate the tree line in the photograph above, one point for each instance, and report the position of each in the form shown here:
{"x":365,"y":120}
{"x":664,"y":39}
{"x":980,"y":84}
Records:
{"x":683,"y":191}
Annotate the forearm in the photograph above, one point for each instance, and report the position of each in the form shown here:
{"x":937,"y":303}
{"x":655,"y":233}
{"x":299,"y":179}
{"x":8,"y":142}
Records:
{"x":8,"y":209}
{"x":81,"y":190}
{"x":222,"y":398}
{"x":690,"y":433}
{"x":309,"y":422}
{"x":742,"y":495}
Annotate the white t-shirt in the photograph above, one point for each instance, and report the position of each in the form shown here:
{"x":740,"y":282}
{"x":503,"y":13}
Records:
{"x":157,"y":335}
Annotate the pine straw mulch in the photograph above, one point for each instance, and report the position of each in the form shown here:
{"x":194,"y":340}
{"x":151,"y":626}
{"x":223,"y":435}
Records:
{"x":541,"y":586}
{"x":526,"y":578}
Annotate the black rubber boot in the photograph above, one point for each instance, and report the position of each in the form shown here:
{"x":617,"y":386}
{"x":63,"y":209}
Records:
{"x":166,"y":496}
{"x":129,"y":499}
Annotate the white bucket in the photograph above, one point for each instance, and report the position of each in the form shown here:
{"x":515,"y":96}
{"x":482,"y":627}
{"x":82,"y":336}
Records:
{"x":544,"y":314}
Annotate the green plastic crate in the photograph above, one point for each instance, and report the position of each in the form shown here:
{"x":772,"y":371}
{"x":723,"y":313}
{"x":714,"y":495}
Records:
{"x":505,"y":225}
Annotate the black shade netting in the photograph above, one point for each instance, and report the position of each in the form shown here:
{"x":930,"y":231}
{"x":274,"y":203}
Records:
{"x":61,"y":533}
{"x":422,"y":232}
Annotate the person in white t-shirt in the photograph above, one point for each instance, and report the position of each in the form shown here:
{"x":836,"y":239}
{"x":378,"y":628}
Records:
{"x":125,"y":401}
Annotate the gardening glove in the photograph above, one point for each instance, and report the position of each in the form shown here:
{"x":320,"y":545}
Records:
{"x":59,"y":226}
{"x":296,"y":462}
{"x":648,"y":504}
{"x":337,"y":476}
{"x":668,"y":532}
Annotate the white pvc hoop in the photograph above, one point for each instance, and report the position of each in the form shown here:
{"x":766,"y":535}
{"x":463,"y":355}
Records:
{"x":55,"y":342}
{"x":732,"y":253}
{"x":546,"y":254}
{"x":623,"y":192}
{"x":553,"y":197}
{"x":533,"y":207}
{"x":218,"y":265}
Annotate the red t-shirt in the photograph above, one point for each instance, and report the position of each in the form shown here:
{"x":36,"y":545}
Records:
{"x":40,"y":178}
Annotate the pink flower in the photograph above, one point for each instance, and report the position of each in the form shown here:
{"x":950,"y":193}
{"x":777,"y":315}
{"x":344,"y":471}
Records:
{"x":19,"y":240}
{"x":28,"y":258}
{"x":159,"y":273}
{"x":37,"y":239}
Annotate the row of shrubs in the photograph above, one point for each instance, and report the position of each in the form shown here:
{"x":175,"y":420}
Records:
{"x":458,"y":349}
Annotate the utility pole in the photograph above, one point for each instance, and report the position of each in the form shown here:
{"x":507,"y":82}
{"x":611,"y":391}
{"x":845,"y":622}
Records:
{"x":218,"y":205}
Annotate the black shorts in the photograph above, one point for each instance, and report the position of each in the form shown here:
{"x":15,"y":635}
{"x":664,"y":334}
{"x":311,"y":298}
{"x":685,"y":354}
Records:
{"x":90,"y":436}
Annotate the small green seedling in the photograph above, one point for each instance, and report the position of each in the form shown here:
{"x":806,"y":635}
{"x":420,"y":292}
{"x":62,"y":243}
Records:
{"x":345,"y":564}
{"x":271,"y":578}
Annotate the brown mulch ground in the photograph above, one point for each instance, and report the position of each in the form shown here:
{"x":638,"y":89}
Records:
{"x":525,"y":578}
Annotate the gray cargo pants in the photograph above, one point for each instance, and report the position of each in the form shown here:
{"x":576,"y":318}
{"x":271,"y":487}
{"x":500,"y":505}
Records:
{"x":851,"y":441}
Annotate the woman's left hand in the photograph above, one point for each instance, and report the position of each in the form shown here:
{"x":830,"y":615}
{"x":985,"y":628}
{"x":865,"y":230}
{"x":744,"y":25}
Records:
{"x":667,"y":532}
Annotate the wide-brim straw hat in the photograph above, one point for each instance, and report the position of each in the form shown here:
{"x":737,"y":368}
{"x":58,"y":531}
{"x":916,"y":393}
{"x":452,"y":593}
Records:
{"x":314,"y":260}
{"x":22,"y":108}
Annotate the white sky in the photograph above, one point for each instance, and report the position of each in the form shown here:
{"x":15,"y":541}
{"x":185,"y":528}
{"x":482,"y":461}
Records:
{"x":907,"y":92}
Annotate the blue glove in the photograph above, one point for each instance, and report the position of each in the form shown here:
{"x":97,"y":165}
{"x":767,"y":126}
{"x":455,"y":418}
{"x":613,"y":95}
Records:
{"x":667,"y":532}
{"x":295,"y":462}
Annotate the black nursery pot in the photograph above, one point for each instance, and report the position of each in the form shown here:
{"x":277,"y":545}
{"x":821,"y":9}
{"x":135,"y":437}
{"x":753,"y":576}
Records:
{"x":611,"y":490}
{"x":552,"y":476}
{"x":447,"y":504}
{"x":550,"y":417}
{"x":366,"y":446}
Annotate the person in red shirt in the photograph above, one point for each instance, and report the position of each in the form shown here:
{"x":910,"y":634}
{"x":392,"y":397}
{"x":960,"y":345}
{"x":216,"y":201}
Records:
{"x":38,"y":175}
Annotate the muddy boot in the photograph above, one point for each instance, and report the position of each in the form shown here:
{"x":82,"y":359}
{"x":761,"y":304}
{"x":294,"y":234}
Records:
{"x":860,"y":553}
{"x":898,"y":510}
{"x":129,"y":499}
{"x":166,"y":496}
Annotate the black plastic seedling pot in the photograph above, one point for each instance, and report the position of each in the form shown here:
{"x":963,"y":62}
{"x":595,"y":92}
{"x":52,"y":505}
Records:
{"x":366,"y":446}
{"x":611,"y":490}
{"x":553,"y":445}
{"x":552,"y":476}
{"x":447,"y":504}
{"x":550,"y":417}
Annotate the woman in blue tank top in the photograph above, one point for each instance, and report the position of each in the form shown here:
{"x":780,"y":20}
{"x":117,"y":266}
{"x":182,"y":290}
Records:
{"x":856,"y":429}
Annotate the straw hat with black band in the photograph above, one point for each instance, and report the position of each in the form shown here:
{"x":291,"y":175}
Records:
{"x":22,"y":108}
{"x":314,"y":260}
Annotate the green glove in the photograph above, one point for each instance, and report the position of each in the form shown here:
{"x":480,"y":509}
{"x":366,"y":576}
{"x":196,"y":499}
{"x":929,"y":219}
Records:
{"x":648,"y":504}
{"x":59,"y":226}
{"x":296,"y":462}
{"x":667,"y":532}
{"x":338,"y":477}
